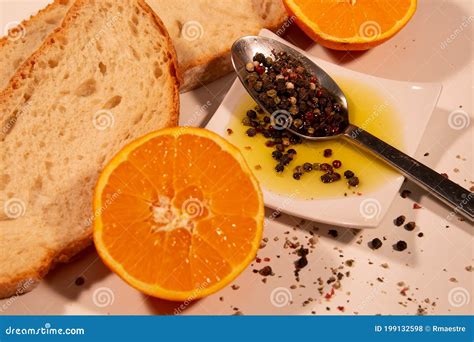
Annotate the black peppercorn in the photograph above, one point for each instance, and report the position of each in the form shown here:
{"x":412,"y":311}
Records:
{"x":410,"y":226}
{"x":348,"y":174}
{"x":400,"y":246}
{"x":376,"y":243}
{"x":399,"y":220}
{"x":353,"y":181}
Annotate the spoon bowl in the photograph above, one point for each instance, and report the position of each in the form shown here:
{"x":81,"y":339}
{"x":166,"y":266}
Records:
{"x":455,"y":196}
{"x":245,"y":48}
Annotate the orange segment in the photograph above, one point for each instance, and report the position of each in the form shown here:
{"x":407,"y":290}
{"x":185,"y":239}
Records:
{"x":351,"y":24}
{"x":179,"y":213}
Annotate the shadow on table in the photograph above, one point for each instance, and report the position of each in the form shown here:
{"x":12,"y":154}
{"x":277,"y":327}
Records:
{"x":85,"y":270}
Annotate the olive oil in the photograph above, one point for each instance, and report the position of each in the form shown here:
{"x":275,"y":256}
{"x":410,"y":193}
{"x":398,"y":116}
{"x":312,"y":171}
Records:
{"x":368,"y":109}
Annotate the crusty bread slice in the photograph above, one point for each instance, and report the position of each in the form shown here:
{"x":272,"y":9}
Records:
{"x":106,"y":76}
{"x":202,"y":30}
{"x":28,"y":37}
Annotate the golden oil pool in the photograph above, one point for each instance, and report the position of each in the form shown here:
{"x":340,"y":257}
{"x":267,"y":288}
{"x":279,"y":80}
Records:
{"x":367,"y":109}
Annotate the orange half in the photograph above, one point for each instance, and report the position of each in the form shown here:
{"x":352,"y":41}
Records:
{"x":179,"y":213}
{"x":351,"y":24}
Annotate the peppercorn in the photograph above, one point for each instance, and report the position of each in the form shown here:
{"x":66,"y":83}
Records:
{"x":259,"y":57}
{"x":399,"y":220}
{"x":336,"y":164}
{"x":376,"y":243}
{"x":285,"y":159}
{"x":266,"y":271}
{"x":348,"y":174}
{"x":400,"y":246}
{"x":327,"y":152}
{"x":280,"y":147}
{"x":296,"y":175}
{"x":353,"y":181}
{"x":291,"y":151}
{"x":277,"y":155}
{"x":325,"y":167}
{"x":307,"y":167}
{"x":251,"y":132}
{"x":326,"y":178}
{"x":279,"y":168}
{"x":251,"y":114}
{"x":410,"y":226}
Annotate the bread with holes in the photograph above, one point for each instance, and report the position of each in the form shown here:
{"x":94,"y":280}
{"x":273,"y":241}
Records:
{"x":202,"y":31}
{"x":104,"y":77}
{"x":27,"y":37}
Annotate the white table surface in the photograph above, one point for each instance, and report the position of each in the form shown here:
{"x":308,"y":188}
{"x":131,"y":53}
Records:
{"x":434,"y":268}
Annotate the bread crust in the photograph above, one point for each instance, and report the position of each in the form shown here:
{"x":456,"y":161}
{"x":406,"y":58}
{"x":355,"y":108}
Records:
{"x":211,"y":67}
{"x":15,"y":286}
{"x":33,"y":18}
{"x":204,"y":70}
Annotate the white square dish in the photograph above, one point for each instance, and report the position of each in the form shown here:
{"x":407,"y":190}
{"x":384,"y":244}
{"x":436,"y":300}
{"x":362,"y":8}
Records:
{"x":413,"y":103}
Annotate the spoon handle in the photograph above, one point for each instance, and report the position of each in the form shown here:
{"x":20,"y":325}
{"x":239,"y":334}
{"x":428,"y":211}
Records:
{"x":458,"y":198}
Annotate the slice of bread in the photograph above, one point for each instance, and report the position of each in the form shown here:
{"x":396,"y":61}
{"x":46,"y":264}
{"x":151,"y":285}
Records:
{"x":106,"y":76}
{"x":202,"y":30}
{"x":27,"y":37}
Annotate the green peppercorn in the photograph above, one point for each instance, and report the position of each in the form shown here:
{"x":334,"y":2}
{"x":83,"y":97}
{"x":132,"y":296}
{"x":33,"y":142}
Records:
{"x":354,"y":181}
{"x":307,"y":167}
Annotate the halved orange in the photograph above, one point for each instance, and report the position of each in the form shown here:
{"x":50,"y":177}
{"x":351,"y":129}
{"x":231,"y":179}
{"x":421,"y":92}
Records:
{"x":351,"y":24}
{"x":178,"y":213}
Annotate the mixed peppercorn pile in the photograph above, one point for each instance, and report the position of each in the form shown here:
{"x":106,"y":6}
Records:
{"x":284,"y":85}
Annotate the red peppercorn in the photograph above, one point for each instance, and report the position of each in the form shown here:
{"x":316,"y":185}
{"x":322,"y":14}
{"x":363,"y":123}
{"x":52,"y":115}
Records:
{"x":309,"y":116}
{"x":337,"y":164}
{"x":260,"y":69}
{"x":319,"y":93}
{"x":327,"y":152}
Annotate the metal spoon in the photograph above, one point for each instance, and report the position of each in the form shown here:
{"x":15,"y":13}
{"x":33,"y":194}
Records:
{"x":455,"y":196}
